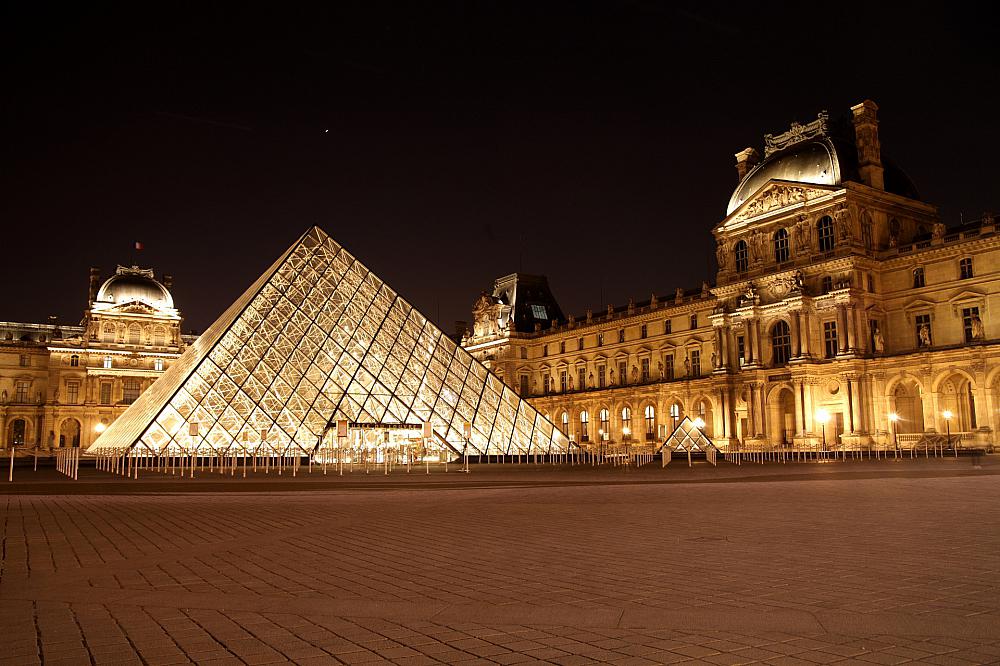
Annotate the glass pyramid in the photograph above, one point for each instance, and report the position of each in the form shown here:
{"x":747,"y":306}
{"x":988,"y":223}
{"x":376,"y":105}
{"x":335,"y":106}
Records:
{"x":688,"y":437}
{"x":318,"y":337}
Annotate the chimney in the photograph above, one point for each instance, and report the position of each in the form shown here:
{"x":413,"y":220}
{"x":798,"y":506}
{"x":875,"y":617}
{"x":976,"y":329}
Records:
{"x":168,"y":281}
{"x":869,"y":148}
{"x":95,"y":283}
{"x":746,"y":160}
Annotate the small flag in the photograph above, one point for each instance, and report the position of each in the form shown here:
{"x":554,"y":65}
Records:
{"x":138,"y":245}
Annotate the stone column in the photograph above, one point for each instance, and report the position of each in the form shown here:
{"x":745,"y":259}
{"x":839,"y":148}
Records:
{"x":724,"y":353}
{"x":807,"y":384}
{"x":751,"y":411}
{"x":796,"y":342}
{"x":855,"y":393}
{"x":731,"y":398}
{"x":762,"y":398}
{"x":758,"y":343}
{"x":982,"y":405}
{"x":804,"y":333}
{"x":852,"y":332}
{"x":748,"y":344}
{"x":797,"y":391}
{"x":842,"y":329}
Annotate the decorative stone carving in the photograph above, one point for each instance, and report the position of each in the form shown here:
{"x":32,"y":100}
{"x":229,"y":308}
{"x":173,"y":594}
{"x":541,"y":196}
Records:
{"x":722,"y":255}
{"x":704,"y":289}
{"x":844,"y":224}
{"x":939,"y":231}
{"x":756,"y":243}
{"x":978,"y":330}
{"x":925,"y":335}
{"x":653,"y":302}
{"x":878,"y":342}
{"x":777,"y":196}
{"x":796,"y":133}
{"x":803,"y":235}
{"x":631,"y":306}
{"x":780,"y":287}
{"x":679,"y":296}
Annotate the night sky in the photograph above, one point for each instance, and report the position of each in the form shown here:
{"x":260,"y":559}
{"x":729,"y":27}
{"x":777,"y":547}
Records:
{"x":446,"y":144}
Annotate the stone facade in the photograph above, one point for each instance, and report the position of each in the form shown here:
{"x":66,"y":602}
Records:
{"x":61,"y":385}
{"x":839,"y":297}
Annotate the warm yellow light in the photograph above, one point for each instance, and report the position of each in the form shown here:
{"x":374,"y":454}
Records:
{"x":822,"y":415}
{"x":626,"y":431}
{"x":100,"y":427}
{"x":699,"y":423}
{"x":893,"y":417}
{"x":947,"y":414}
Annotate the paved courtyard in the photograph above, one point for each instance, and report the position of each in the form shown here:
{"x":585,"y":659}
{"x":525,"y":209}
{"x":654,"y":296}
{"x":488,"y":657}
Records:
{"x":800,"y":564}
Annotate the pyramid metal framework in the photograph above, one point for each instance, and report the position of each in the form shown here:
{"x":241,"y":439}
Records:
{"x":317,"y":338}
{"x":688,"y":437}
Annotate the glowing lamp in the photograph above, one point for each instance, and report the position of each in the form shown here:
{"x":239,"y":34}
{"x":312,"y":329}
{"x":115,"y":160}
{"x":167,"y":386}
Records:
{"x":100,"y":427}
{"x":699,"y":422}
{"x":947,"y":414}
{"x":893,"y":417}
{"x":822,"y":415}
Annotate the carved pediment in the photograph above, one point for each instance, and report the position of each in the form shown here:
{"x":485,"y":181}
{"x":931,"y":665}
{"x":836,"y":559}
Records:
{"x":134,"y":307}
{"x":776,"y":195}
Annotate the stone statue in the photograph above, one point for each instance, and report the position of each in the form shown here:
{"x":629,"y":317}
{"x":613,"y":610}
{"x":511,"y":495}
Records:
{"x":659,"y":369}
{"x":704,"y":289}
{"x":751,"y":294}
{"x":722,"y":255}
{"x":570,"y":386}
{"x":925,"y":335}
{"x":635,"y":374}
{"x":939,"y":231}
{"x":798,"y":281}
{"x":3,"y":396}
{"x":978,"y":330}
{"x":714,"y":365}
{"x":679,"y":295}
{"x":878,"y":341}
{"x":687,"y":366}
{"x":756,"y":243}
{"x":803,"y":235}
{"x":611,"y":377}
{"x":590,"y":380}
{"x":652,"y":301}
{"x":987,"y":220}
{"x":611,"y":309}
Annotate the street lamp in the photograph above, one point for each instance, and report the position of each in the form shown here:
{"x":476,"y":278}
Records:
{"x":823,"y":416}
{"x":893,"y":418}
{"x":699,"y":423}
{"x":947,"y":424}
{"x":100,"y":427}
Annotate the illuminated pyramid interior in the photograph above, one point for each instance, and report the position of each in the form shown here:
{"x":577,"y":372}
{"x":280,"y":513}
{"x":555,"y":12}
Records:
{"x":688,"y":437}
{"x":316,"y":339}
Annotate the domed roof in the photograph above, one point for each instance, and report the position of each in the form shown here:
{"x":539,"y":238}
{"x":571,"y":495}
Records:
{"x":134,"y":284}
{"x":815,"y":162}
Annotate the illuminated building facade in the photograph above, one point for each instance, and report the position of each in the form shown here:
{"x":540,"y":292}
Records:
{"x":61,"y":385}
{"x":319,"y":340}
{"x":843,"y":310}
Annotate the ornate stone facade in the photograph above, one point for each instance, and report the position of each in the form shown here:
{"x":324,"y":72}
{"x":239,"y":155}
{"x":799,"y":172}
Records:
{"x":60,"y":385}
{"x":839,"y":293}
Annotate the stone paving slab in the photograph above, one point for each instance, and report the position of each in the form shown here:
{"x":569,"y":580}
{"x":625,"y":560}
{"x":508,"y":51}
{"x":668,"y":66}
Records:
{"x":863,"y":563}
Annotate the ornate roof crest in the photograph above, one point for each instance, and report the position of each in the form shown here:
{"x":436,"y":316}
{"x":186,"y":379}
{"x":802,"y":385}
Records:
{"x":796,"y":133}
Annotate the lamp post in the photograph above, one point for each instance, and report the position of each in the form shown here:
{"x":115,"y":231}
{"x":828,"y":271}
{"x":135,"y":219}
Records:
{"x":823,"y":416}
{"x":893,"y":418}
{"x":947,"y":424}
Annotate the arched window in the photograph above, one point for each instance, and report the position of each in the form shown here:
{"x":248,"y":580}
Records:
{"x":781,"y":343}
{"x":134,"y":334}
{"x":626,"y":423}
{"x":17,"y":431}
{"x":605,"y":418}
{"x":742,"y":256}
{"x":159,"y":336}
{"x":675,"y":414}
{"x":650,"y":415}
{"x":158,"y":364}
{"x":781,"y":253}
{"x":866,"y":231}
{"x":109,"y":333}
{"x":584,"y":422}
{"x":74,"y":361}
{"x":824,"y":234}
{"x":565,"y":423}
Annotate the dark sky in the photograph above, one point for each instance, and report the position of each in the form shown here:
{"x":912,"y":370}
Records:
{"x":448,"y":143}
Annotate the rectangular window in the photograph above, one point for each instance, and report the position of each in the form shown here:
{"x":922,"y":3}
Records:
{"x":545,"y":350}
{"x":741,"y":350}
{"x":601,"y":376}
{"x":970,"y":322}
{"x":829,"y":339}
{"x":922,"y":324}
{"x":643,"y":331}
{"x":130,"y":391}
{"x":107,"y":362}
{"x":965,"y":268}
{"x":21,"y":391}
{"x":622,"y":372}
{"x":524,"y":352}
{"x":74,"y":361}
{"x":621,"y":335}
{"x":562,"y":347}
{"x":158,"y":364}
{"x":871,"y":284}
{"x":694,"y":321}
{"x":563,"y":378}
{"x":25,"y":360}
{"x":600,"y":339}
{"x":72,"y":393}
{"x":105,"y":393}
{"x":524,"y":384}
{"x":667,"y":327}
{"x":696,"y":363}
{"x":546,"y":384}
{"x":668,"y":367}
{"x":579,"y":344}
{"x":581,"y":378}
{"x":644,"y":369}
{"x":918,"y":278}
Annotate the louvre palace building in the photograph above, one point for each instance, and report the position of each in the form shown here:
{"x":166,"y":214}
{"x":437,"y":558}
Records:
{"x":844,"y":314}
{"x":843,"y":310}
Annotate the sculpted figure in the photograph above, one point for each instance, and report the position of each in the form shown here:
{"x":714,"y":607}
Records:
{"x":687,"y":366}
{"x":978,"y":330}
{"x":635,"y":374}
{"x":939,"y":230}
{"x":659,"y":369}
{"x":722,"y":255}
{"x":611,"y":377}
{"x":679,"y":295}
{"x":878,"y":341}
{"x":925,"y":335}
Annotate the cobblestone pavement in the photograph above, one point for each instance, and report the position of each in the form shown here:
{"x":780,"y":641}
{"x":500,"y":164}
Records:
{"x":862,"y":565}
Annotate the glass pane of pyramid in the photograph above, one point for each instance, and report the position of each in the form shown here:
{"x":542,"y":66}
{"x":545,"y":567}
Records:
{"x":318,"y":337}
{"x":687,"y":436}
